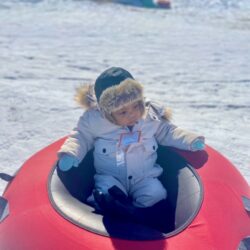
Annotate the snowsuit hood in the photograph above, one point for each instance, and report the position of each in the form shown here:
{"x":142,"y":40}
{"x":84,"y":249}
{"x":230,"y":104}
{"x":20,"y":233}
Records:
{"x":85,"y":97}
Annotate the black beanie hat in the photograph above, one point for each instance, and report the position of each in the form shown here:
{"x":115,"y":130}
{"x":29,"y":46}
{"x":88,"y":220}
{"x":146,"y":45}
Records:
{"x":110,"y":77}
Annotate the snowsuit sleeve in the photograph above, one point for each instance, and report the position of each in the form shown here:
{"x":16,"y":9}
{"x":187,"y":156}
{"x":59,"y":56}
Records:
{"x":170,"y":135}
{"x":80,"y":140}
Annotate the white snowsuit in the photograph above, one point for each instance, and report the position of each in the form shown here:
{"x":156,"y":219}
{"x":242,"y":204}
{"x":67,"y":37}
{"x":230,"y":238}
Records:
{"x":132,"y":168}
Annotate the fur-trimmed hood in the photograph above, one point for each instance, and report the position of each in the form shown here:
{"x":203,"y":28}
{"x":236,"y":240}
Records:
{"x":85,"y":97}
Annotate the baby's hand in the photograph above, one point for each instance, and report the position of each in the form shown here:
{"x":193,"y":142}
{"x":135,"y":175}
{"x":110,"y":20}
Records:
{"x":66,"y":162}
{"x":198,"y":144}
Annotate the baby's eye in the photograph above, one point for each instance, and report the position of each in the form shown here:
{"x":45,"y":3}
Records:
{"x":136,"y":106}
{"x":122,"y":113}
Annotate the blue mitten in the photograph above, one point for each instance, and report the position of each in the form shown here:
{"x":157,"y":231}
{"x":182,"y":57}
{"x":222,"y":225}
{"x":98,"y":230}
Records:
{"x":198,"y":145}
{"x":66,"y":162}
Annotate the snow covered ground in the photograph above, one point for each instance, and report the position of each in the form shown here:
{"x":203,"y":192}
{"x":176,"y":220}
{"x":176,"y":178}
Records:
{"x":195,"y":58}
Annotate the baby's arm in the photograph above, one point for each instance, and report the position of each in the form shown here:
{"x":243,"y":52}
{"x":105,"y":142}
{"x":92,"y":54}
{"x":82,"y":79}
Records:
{"x":170,"y":135}
{"x":79,"y":142}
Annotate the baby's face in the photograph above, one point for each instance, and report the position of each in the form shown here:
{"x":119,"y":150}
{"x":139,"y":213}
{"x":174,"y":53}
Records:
{"x":128,"y":115}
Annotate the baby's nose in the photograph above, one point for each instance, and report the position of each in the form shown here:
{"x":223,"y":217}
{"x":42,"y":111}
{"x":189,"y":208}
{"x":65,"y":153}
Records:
{"x":131,"y":114}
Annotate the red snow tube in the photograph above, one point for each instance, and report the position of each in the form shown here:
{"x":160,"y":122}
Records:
{"x":209,"y":196}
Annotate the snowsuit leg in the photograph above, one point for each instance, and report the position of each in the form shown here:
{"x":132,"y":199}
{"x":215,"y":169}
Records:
{"x":147,"y":192}
{"x":104,"y":182}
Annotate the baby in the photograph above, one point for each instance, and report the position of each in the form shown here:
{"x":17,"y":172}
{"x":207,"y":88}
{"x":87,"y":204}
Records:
{"x":124,"y":131}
